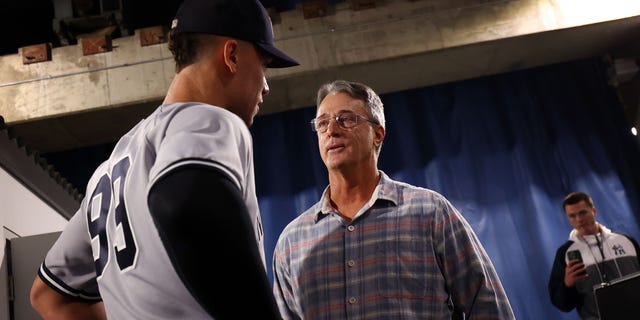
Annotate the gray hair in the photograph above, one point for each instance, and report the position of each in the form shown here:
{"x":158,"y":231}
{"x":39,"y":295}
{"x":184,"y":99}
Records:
{"x":372,"y":102}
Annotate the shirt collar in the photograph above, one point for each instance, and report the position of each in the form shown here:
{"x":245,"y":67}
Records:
{"x":385,"y":190}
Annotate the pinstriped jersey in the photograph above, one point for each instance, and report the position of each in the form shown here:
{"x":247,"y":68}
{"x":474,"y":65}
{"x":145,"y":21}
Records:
{"x":110,"y":249}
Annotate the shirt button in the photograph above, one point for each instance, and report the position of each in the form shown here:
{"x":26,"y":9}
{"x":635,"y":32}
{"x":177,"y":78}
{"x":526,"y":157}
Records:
{"x":351,"y":263}
{"x":352,"y":300}
{"x":351,"y":228}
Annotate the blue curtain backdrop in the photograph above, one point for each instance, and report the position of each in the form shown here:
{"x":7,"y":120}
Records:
{"x":504,"y":149}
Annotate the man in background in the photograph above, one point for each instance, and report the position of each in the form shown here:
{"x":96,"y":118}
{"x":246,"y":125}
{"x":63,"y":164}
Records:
{"x":170,"y":226}
{"x":592,"y":255}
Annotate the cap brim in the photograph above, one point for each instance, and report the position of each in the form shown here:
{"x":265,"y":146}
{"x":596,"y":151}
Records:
{"x":280,"y":59}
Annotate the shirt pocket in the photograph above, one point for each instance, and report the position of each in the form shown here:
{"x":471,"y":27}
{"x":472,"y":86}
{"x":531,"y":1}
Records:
{"x":403,"y":265}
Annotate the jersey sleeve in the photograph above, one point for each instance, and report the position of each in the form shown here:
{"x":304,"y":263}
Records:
{"x":193,"y":207}
{"x":68,"y":267}
{"x":206,"y":135}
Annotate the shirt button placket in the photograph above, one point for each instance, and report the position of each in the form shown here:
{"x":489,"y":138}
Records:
{"x":352,"y":287}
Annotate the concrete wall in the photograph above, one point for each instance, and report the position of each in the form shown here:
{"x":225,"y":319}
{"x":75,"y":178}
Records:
{"x":129,"y":74}
{"x":21,"y":214}
{"x":399,"y":45}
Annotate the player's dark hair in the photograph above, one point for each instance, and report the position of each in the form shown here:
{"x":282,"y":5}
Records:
{"x":185,"y":47}
{"x":575,"y":197}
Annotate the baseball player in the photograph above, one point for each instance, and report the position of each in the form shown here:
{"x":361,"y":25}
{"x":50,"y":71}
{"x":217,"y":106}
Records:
{"x":170,"y":226}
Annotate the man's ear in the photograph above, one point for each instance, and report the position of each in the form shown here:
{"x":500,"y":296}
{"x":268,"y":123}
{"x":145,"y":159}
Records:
{"x":379,"y":135}
{"x":230,"y":53}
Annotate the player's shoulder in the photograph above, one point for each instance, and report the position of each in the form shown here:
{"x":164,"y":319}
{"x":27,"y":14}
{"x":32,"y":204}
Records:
{"x":97,"y":174}
{"x":200,"y":116}
{"x":198,"y":110}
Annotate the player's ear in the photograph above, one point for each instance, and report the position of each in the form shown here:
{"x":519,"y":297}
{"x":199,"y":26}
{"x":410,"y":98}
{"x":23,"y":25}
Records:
{"x":230,"y":54}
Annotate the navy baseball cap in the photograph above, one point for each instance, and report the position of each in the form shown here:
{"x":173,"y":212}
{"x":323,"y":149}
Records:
{"x":245,"y":20}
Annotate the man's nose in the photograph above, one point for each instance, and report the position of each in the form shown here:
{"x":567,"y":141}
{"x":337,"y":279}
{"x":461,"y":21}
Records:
{"x":265,"y":87}
{"x":333,"y":125}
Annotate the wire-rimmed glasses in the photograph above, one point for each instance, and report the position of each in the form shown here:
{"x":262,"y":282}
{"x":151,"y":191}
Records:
{"x":345,"y":119}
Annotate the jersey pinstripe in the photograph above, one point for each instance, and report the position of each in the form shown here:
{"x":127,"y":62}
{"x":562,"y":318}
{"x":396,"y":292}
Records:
{"x":110,"y":249}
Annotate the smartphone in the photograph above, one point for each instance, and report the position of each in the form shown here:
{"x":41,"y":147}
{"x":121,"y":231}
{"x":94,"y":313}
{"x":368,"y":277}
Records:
{"x":574,"y":254}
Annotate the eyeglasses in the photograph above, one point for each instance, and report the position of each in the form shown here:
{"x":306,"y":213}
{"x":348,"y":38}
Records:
{"x":345,"y":119}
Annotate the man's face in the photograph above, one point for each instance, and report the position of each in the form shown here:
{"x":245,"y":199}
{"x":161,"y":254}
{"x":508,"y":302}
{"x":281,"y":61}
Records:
{"x":341,"y":147}
{"x":582,"y":217}
{"x":250,"y":81}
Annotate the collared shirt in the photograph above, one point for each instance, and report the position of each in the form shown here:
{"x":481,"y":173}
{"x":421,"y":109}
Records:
{"x":408,"y":254}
